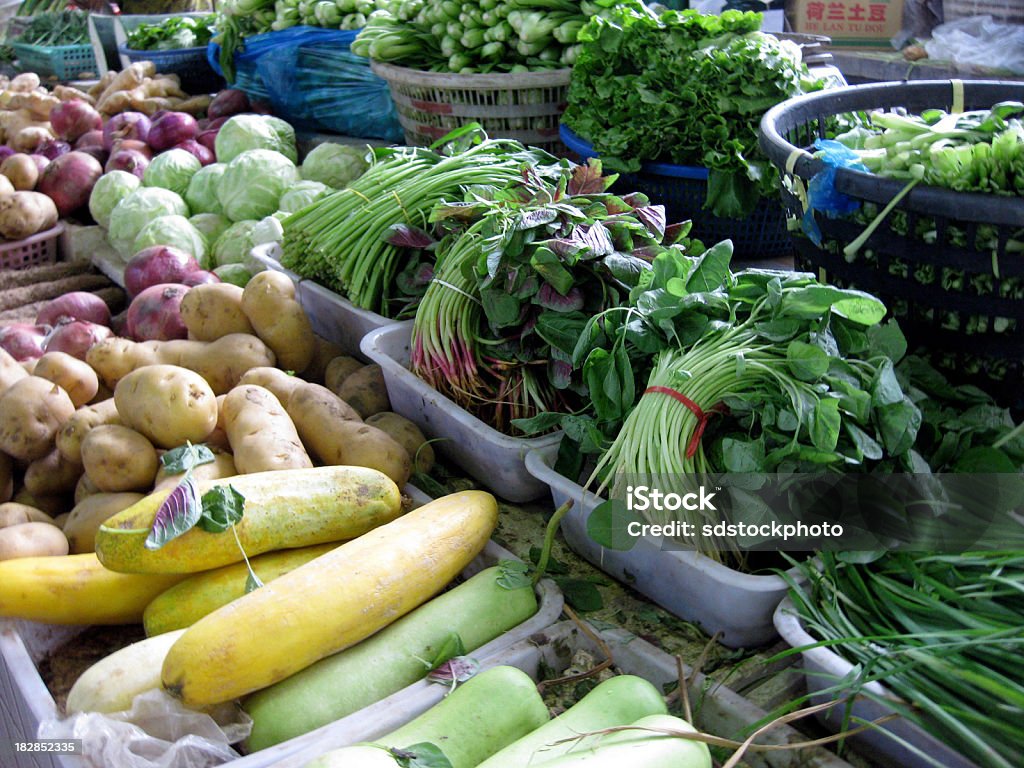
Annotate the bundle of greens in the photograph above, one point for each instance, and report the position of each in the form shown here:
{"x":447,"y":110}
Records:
{"x":352,"y":241}
{"x":944,"y":633}
{"x":173,"y":33}
{"x":519,"y":272}
{"x":684,"y":88}
{"x":479,"y":36}
{"x":330,"y":14}
{"x":68,"y":27}
{"x":236,"y":20}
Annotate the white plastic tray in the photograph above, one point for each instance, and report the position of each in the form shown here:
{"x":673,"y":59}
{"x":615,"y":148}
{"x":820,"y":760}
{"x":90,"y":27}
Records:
{"x":332,"y":317}
{"x":824,"y":668}
{"x":494,"y":459}
{"x":688,"y":584}
{"x":27,"y":701}
{"x":717,"y":709}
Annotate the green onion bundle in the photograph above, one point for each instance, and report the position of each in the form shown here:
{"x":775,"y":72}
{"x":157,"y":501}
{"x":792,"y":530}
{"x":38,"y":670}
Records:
{"x":944,"y":633}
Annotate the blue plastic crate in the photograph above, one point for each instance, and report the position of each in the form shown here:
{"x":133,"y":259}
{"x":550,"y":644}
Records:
{"x":65,"y":62}
{"x":682,"y":189}
{"x":189,"y":64}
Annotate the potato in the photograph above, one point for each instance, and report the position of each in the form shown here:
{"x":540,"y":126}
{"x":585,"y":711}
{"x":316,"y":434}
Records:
{"x":50,"y":504}
{"x":277,"y":381}
{"x":13,"y":513}
{"x":168,"y":404}
{"x":366,"y":391}
{"x":339,"y":369}
{"x":117,"y":459}
{"x":31,"y":412}
{"x":6,"y":477}
{"x":318,"y":415}
{"x":10,"y":370}
{"x":23,"y":214}
{"x":223,"y":465}
{"x":87,"y":516}
{"x":261,"y":433}
{"x":85,"y":488}
{"x":323,"y":353}
{"x":69,"y":438}
{"x":6,"y":187}
{"x":32,"y":540}
{"x":221,"y":362}
{"x":268,"y":300}
{"x":212,"y":310}
{"x":52,"y":475}
{"x":408,"y":435}
{"x":75,"y":376}
{"x":20,"y":171}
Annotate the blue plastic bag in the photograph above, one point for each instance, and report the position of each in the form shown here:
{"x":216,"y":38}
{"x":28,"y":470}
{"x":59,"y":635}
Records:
{"x":314,"y":81}
{"x":822,"y":194}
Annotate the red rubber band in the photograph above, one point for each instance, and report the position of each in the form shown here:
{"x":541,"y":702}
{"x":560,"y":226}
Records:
{"x":696,"y":410}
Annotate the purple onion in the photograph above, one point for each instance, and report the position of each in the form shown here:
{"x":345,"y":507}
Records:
{"x":6,"y":152}
{"x":171,"y":128}
{"x":202,"y":153}
{"x":126,"y":125}
{"x":53,"y":149}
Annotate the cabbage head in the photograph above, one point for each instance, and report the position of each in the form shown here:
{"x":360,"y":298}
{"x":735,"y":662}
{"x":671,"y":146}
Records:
{"x":242,"y":133}
{"x":301,"y":194}
{"x":171,"y":170}
{"x":253,"y":183}
{"x":176,"y":231}
{"x":136,"y":211}
{"x":210,"y":225}
{"x":236,"y":274}
{"x":110,"y":189}
{"x":235,"y":244}
{"x":336,"y":165}
{"x":201,"y":194}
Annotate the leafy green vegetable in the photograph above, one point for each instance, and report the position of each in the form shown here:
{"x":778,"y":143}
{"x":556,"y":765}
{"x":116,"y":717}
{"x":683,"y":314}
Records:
{"x":177,"y":515}
{"x":185,"y":457}
{"x":173,"y":33}
{"x":222,"y":508}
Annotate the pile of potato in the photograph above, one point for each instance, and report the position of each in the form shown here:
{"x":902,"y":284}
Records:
{"x":81,"y":440}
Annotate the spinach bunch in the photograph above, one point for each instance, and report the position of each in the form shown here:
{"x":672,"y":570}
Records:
{"x":172,"y":34}
{"x":684,"y":88}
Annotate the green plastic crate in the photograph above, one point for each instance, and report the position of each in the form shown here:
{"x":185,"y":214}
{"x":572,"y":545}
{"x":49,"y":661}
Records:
{"x":65,"y":62}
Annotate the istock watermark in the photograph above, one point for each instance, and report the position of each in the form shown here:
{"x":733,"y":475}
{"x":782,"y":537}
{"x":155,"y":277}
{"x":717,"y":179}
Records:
{"x":801,"y":512}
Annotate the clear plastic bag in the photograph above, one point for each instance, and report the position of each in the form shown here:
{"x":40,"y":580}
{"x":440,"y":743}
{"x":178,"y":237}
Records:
{"x":979,"y":41}
{"x":157,"y":732}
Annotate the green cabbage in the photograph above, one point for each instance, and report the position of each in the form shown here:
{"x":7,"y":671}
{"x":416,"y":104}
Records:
{"x":301,"y":194}
{"x":201,"y":194}
{"x":336,"y":165}
{"x":211,"y":225}
{"x":246,"y":132}
{"x":235,"y":244}
{"x":110,"y":189}
{"x":236,"y":274}
{"x":171,"y":170}
{"x":253,"y":183}
{"x":176,"y":231}
{"x":136,"y":211}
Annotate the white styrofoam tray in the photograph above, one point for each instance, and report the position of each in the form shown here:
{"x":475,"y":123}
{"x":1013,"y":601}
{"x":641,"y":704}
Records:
{"x":27,"y":702}
{"x":717,"y":709}
{"x":494,"y":459}
{"x":686,"y":583}
{"x":824,"y":668}
{"x":332,"y":317}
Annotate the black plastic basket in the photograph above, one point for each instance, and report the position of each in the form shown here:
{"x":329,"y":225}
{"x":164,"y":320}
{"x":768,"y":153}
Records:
{"x":189,"y":64}
{"x":958,"y":301}
{"x":682,"y":189}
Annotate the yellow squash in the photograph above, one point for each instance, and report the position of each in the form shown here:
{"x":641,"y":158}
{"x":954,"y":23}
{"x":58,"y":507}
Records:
{"x":76,"y":589}
{"x":284,"y":509}
{"x":330,"y":603}
{"x":188,"y":601}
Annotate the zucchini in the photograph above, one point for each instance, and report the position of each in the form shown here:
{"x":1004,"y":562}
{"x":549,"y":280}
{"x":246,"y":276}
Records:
{"x":199,"y":594}
{"x":478,"y":610}
{"x":616,"y":701}
{"x":113,"y":682}
{"x":329,"y":603}
{"x":477,"y":719}
{"x":284,"y":509}
{"x":76,"y":589}
{"x":639,"y":748}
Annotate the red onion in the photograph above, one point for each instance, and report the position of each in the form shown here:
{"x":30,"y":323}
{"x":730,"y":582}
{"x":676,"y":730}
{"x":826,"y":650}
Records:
{"x":99,"y":153}
{"x":6,"y":152}
{"x":157,"y":264}
{"x":126,"y":125}
{"x":40,"y":161}
{"x":208,"y":138}
{"x":228,"y":102}
{"x":202,"y":153}
{"x":53,"y":149}
{"x":75,"y":305}
{"x":199,"y":277}
{"x":69,"y":180}
{"x":138,"y":146}
{"x":155,"y":313}
{"x":74,"y":337}
{"x":171,"y":128}
{"x":90,"y":139}
{"x":70,"y":119}
{"x":23,"y":341}
{"x":127,"y":160}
